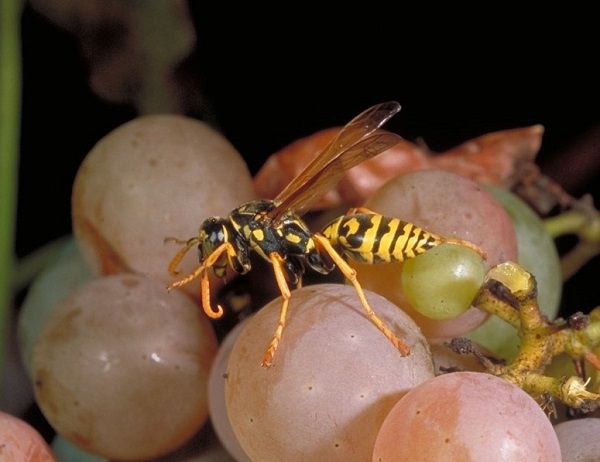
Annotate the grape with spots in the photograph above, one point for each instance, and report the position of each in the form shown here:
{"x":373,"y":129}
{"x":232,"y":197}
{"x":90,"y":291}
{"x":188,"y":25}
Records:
{"x":152,"y":178}
{"x":120,"y":368}
{"x":464,"y":416}
{"x":334,"y":376}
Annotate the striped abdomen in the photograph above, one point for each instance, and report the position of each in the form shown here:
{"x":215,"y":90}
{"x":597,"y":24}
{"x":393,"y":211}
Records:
{"x":373,"y":238}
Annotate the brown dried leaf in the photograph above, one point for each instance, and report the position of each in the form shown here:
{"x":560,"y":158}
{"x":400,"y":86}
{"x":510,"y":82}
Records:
{"x":492,"y":158}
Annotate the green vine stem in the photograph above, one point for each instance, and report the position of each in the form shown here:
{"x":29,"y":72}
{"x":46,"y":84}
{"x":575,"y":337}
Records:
{"x":583,"y":221}
{"x":10,"y":117}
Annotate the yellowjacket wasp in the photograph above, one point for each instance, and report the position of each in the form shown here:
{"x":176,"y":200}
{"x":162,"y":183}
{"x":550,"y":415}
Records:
{"x":274,"y":230}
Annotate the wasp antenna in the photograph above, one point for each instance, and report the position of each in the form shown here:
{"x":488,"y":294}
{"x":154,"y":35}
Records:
{"x":173,"y":239}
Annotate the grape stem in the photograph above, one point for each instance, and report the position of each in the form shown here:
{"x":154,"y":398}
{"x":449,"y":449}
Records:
{"x":582,"y":220}
{"x":515,"y":301}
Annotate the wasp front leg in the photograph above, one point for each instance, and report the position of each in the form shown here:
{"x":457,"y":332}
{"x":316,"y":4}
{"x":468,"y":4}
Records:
{"x":202,"y":272}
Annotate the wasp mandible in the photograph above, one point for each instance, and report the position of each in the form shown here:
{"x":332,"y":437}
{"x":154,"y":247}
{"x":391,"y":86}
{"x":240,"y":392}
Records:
{"x":275,"y":230}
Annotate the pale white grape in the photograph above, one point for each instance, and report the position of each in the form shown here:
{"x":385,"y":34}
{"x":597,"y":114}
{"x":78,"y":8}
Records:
{"x":154,"y":177}
{"x":334,"y":376}
{"x":55,"y":282}
{"x":121,"y":366}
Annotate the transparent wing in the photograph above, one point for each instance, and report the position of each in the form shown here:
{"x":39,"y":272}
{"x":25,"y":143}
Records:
{"x":359,"y":140}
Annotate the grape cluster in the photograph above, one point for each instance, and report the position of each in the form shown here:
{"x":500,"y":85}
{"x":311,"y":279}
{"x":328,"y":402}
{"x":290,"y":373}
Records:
{"x":123,"y":369}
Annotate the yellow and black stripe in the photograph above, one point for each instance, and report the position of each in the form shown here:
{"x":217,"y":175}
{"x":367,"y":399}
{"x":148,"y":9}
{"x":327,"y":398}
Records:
{"x":373,"y":238}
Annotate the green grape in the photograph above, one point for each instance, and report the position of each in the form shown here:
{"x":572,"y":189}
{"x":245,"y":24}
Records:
{"x":442,"y":282}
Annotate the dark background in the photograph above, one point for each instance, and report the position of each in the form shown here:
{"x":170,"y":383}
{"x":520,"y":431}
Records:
{"x":270,"y":77}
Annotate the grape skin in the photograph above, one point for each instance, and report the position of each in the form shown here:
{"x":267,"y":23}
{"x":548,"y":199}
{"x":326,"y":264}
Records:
{"x":579,"y":439}
{"x":55,"y":282}
{"x":121,"y":367}
{"x":466,"y":416}
{"x":334,"y":376}
{"x":155,"y":177}
{"x":216,"y":395}
{"x":442,"y":282}
{"x":19,"y":441}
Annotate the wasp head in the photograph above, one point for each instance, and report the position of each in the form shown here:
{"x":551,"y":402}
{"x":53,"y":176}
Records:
{"x":214,"y":231}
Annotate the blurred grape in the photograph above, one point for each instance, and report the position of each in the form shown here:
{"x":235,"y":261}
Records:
{"x":67,"y":452}
{"x":466,"y":416}
{"x":333,"y":379}
{"x":120,"y":368}
{"x":578,"y":439}
{"x":55,"y":282}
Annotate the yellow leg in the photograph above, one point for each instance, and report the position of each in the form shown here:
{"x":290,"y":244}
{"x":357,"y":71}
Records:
{"x":202,"y":272}
{"x":350,"y":274}
{"x":277,"y":262}
{"x":470,"y":245}
{"x":172,"y":268}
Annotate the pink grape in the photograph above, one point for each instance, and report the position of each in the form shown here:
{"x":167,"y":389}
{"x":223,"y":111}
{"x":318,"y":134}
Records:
{"x":464,"y":416}
{"x":20,"y":442}
{"x":334,"y":376}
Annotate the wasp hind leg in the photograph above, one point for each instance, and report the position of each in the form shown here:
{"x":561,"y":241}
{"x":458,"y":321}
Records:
{"x":350,"y":274}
